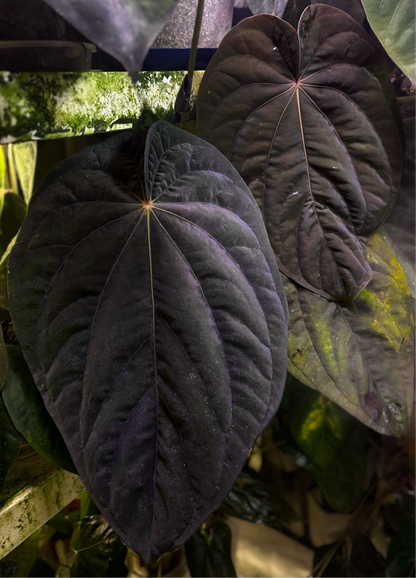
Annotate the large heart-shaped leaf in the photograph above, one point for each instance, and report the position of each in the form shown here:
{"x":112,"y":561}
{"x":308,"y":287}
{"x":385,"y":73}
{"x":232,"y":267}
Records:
{"x":125,"y":29}
{"x":307,"y":121}
{"x":148,"y":304}
{"x":362,"y":360}
{"x":401,"y":225}
{"x":394,"y":23}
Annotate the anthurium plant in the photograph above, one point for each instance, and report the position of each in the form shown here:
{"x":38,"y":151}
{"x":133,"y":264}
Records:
{"x":164,"y":287}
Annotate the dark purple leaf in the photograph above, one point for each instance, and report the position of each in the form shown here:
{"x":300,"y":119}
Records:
{"x":307,"y":121}
{"x":149,"y":307}
{"x":125,"y":29}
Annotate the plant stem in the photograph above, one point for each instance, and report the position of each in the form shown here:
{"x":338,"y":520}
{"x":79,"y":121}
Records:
{"x":195,"y":38}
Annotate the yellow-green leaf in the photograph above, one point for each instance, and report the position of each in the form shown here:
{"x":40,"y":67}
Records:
{"x":25,"y":161}
{"x":361,"y":360}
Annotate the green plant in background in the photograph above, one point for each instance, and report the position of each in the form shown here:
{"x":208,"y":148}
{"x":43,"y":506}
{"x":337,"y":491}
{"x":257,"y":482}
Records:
{"x":310,"y":121}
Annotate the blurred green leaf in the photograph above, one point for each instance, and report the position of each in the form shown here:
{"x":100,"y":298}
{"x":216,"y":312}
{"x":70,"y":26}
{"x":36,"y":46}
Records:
{"x":397,"y":513}
{"x":320,"y":428}
{"x":10,"y":442}
{"x":4,"y":360}
{"x":64,"y":522}
{"x":5,"y":257}
{"x":88,"y":508}
{"x":96,"y":544}
{"x":28,"y":412}
{"x":25,"y":162}
{"x":250,"y":499}
{"x":401,"y":554}
{"x":342,"y":483}
{"x":11,"y":218}
{"x":209,"y":552}
{"x":7,"y":569}
{"x":363,"y":561}
{"x":25,"y":555}
{"x":41,"y":569}
{"x":3,"y":168}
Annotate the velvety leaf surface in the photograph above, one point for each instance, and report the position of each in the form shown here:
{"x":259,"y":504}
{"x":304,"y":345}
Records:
{"x":320,"y":428}
{"x":149,"y":307}
{"x":310,"y":122}
{"x":276,"y":7}
{"x":342,"y":482}
{"x":96,"y":544}
{"x":28,"y":412}
{"x":401,"y":224}
{"x":209,"y":553}
{"x":394,"y":23}
{"x":4,"y":359}
{"x":125,"y":29}
{"x":10,"y":442}
{"x":250,"y":499}
{"x":363,"y":560}
{"x":362,"y":360}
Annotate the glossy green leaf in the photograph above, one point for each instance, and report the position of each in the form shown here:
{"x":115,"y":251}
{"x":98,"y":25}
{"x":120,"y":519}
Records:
{"x":148,"y":303}
{"x":25,"y":161}
{"x":125,"y":29}
{"x":96,"y":544}
{"x":276,"y":7}
{"x":250,"y":499}
{"x":320,"y":428}
{"x":27,"y":410}
{"x":116,"y":567}
{"x":24,"y":555}
{"x":362,"y":360}
{"x":401,"y":225}
{"x":11,"y":218}
{"x":208,"y":552}
{"x":342,"y":482}
{"x":10,"y":442}
{"x":393,"y":21}
{"x":363,"y":560}
{"x":309,"y":120}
